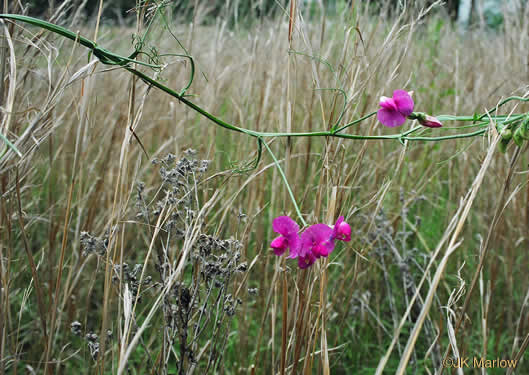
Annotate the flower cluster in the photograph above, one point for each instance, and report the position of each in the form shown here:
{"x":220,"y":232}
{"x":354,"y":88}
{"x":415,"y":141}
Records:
{"x":316,"y":241}
{"x":394,"y":111}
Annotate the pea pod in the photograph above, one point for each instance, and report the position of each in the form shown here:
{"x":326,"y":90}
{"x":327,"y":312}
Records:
{"x":506,"y":134}
{"x":524,"y":128}
{"x":502,"y":145}
{"x":518,"y":139}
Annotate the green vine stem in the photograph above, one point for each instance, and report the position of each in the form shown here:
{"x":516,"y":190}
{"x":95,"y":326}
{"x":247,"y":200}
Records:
{"x":109,"y":58}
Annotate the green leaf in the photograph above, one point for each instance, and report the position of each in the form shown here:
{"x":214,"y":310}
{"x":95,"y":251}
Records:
{"x":10,"y":145}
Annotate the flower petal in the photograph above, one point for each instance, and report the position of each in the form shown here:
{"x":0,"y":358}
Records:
{"x":403,"y":101}
{"x":316,"y":240}
{"x":285,"y":225}
{"x":323,"y":249}
{"x":279,"y":245}
{"x":388,"y":103}
{"x":390,"y":118}
{"x":294,"y":242}
{"x":306,"y":261}
{"x":335,"y":228}
{"x":314,"y":234}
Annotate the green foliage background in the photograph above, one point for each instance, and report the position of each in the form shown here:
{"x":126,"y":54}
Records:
{"x":116,"y":8}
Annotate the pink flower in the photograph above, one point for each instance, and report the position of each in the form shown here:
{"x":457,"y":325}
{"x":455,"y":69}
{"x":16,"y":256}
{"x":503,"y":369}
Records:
{"x":341,"y":230}
{"x":395,"y":110}
{"x":317,"y":240}
{"x":430,"y":121}
{"x":288,"y":229}
{"x":306,"y":260}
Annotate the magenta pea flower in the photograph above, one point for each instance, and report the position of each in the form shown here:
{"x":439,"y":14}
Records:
{"x":289,"y":238}
{"x":306,"y":260}
{"x":341,"y":230}
{"x":317,"y":240}
{"x":395,"y":110}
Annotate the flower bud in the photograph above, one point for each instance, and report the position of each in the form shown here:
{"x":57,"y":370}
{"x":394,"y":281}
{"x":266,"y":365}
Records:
{"x":430,"y":122}
{"x":426,"y":120}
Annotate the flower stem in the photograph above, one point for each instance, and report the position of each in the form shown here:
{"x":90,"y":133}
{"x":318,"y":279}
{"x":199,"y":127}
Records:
{"x":286,"y":184}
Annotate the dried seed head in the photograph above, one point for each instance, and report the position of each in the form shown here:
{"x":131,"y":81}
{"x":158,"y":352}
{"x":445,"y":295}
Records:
{"x":75,"y":327}
{"x":93,"y":245}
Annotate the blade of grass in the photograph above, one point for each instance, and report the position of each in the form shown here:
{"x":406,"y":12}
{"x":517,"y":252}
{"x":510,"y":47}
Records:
{"x":452,"y":246}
